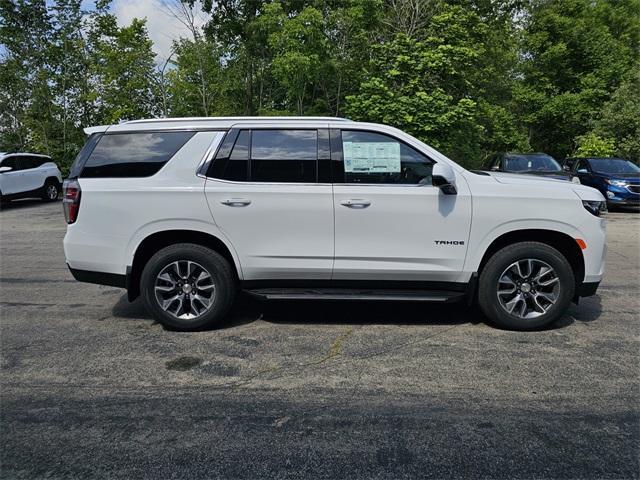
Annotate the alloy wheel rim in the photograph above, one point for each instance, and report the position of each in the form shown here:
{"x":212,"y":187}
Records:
{"x":52,"y":191}
{"x":528,"y":288}
{"x":185,"y":290}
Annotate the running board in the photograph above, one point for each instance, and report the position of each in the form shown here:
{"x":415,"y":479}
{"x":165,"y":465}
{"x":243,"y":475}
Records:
{"x":438,"y":296}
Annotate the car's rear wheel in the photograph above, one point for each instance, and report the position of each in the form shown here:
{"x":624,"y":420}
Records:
{"x":526,"y":286}
{"x":188,"y":287}
{"x":50,"y":191}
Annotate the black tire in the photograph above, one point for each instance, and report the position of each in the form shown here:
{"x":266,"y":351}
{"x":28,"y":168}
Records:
{"x":222,"y":274}
{"x":51,"y":190}
{"x":500,"y":261}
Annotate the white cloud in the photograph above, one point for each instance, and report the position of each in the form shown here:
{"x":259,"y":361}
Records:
{"x":163,"y":27}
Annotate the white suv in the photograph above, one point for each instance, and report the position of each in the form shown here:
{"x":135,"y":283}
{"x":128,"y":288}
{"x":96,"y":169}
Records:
{"x":24,"y":175}
{"x":187,"y":212}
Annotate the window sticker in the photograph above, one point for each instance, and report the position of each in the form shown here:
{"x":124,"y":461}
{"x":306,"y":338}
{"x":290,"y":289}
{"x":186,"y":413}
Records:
{"x":371,"y":157}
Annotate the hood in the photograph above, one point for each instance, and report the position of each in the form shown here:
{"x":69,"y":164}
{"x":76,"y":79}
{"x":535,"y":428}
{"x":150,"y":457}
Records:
{"x":629,"y":177}
{"x":561,"y":175}
{"x":582,"y":191}
{"x":519,"y":178}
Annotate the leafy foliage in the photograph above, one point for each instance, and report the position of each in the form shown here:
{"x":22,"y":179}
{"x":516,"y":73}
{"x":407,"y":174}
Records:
{"x":467,"y":76}
{"x":591,"y":145}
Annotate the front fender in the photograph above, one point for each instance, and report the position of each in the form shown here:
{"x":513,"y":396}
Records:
{"x":480,"y":241}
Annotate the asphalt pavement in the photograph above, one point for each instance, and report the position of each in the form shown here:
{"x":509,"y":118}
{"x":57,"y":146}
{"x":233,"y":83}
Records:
{"x":92,"y":387}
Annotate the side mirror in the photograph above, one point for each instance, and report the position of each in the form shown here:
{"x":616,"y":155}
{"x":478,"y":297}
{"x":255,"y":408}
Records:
{"x":5,"y":169}
{"x":444,"y":178}
{"x":566,"y":168}
{"x":495,"y":168}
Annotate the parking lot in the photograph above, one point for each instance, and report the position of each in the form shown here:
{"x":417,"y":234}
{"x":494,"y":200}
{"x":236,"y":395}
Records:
{"x":92,"y":387}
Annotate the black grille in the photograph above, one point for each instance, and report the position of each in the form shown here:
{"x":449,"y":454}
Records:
{"x":634,"y":188}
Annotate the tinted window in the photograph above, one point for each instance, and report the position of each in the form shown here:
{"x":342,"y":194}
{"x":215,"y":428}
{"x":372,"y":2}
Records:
{"x":582,"y":166}
{"x":81,"y":158}
{"x":284,"y":155}
{"x":531,"y":163}
{"x":613,"y":165}
{"x":11,"y":162}
{"x":33,"y":162}
{"x":133,"y":154}
{"x":376,"y":158}
{"x":237,"y":167}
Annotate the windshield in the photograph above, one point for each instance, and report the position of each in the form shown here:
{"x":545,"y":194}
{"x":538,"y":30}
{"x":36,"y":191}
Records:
{"x":531,"y":163}
{"x":613,"y":165}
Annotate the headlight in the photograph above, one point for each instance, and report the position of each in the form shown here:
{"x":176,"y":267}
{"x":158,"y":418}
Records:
{"x":616,"y":183}
{"x":595,"y":207}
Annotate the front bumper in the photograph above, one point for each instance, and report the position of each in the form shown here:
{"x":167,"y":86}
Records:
{"x":621,"y":196}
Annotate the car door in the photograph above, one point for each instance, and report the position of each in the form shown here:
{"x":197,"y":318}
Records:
{"x":31,"y":173}
{"x":582,"y":172}
{"x":264,"y":194}
{"x":12,"y":181}
{"x":391,"y":223}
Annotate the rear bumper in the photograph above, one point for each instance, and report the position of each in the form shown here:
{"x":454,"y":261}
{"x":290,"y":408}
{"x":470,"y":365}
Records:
{"x":99,"y":278}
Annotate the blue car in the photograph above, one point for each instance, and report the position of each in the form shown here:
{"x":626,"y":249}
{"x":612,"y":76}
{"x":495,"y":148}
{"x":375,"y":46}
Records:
{"x":617,"y":179}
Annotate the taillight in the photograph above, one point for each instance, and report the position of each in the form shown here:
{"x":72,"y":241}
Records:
{"x":71,"y":199}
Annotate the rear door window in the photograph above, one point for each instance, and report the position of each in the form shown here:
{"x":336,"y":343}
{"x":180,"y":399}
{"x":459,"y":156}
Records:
{"x":30,"y":162}
{"x":133,"y":154}
{"x":288,"y":156}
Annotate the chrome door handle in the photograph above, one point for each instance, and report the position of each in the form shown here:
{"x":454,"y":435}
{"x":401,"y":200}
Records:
{"x":236,"y":202}
{"x":355,"y":203}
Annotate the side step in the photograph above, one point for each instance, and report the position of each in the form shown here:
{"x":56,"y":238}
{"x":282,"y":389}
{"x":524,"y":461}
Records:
{"x":440,"y":296}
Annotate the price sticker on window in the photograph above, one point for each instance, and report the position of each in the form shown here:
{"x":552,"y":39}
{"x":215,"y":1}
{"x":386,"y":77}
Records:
{"x":371,"y":157}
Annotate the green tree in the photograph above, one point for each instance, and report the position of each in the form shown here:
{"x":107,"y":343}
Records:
{"x":198,"y":84}
{"x":575,"y":53}
{"x":26,"y":118}
{"x":591,"y":145}
{"x":620,"y":118}
{"x":442,"y":87}
{"x":123,"y":69}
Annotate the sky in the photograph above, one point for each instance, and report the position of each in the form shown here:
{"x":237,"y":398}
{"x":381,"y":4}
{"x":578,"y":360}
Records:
{"x":162,"y":26}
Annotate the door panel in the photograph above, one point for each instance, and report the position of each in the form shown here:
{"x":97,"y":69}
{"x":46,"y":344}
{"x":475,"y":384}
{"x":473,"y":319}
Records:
{"x":391,"y":223}
{"x":394,"y":237}
{"x":13,"y":181}
{"x":280,"y":230}
{"x":31,"y":175}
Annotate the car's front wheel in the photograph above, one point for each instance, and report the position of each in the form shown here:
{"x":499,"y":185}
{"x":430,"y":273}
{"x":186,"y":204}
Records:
{"x":526,"y":286}
{"x":188,"y":287}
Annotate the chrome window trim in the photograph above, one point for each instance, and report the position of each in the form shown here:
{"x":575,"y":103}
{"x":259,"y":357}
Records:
{"x":207,"y":158}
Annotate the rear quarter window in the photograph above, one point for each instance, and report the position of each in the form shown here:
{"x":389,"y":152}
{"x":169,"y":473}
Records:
{"x":133,"y":154}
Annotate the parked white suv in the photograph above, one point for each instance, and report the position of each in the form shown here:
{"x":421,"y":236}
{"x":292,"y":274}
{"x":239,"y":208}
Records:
{"x":187,"y":212}
{"x":25,"y":175}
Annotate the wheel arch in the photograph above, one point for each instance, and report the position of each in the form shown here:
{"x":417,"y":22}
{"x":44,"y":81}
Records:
{"x":53,"y":179}
{"x":562,"y":242}
{"x":160,"y":239}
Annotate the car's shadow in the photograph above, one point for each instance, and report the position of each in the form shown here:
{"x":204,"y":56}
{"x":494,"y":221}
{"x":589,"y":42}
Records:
{"x":247,"y":310}
{"x":25,"y":204}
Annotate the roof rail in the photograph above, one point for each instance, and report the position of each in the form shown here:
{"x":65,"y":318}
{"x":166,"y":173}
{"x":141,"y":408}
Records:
{"x":274,"y":118}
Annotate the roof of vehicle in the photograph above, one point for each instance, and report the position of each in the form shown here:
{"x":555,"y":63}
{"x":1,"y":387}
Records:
{"x":597,"y":158}
{"x":22,"y":154}
{"x":528,"y":153}
{"x":205,"y":122}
